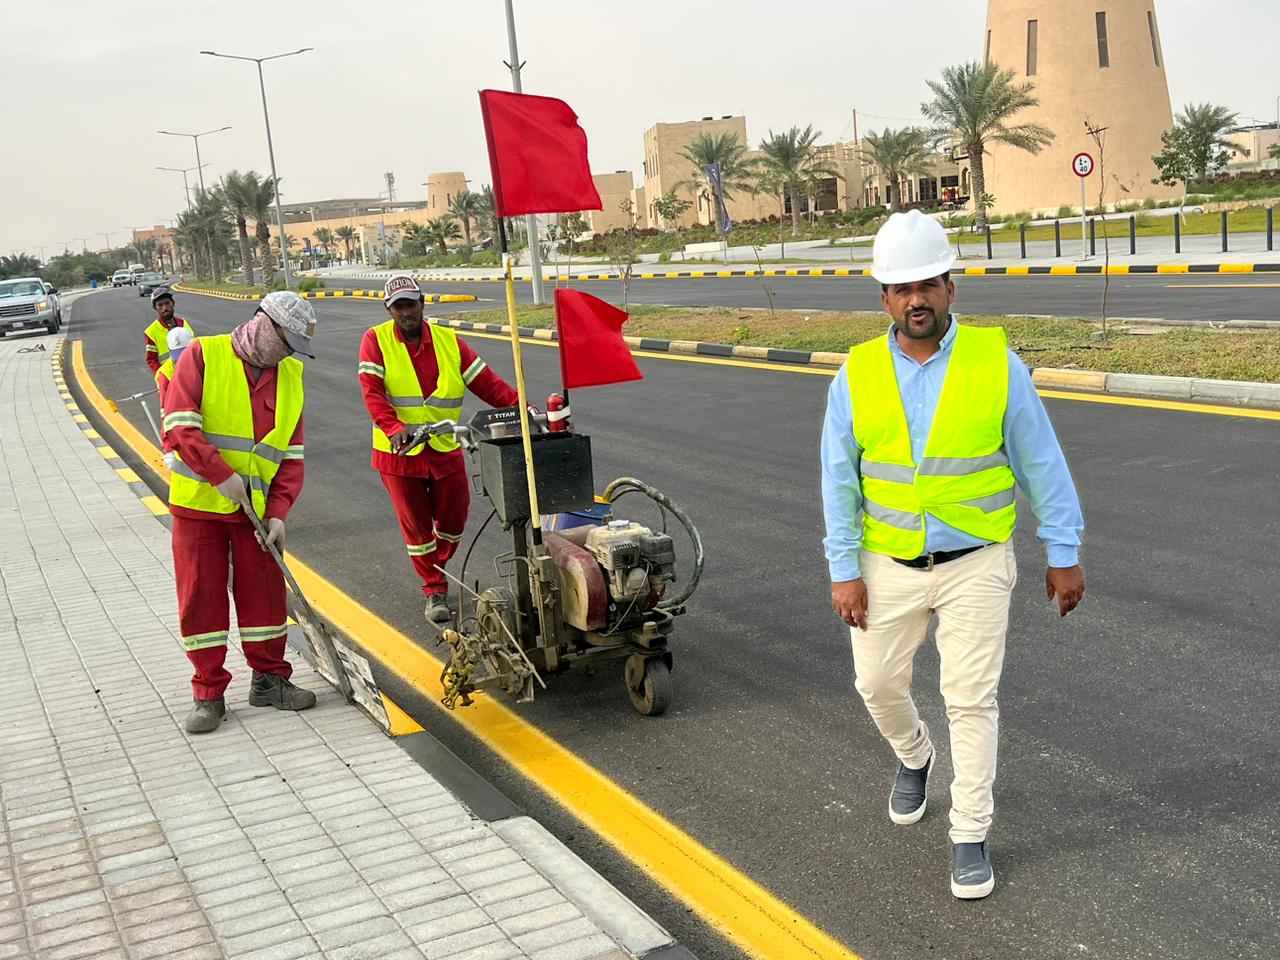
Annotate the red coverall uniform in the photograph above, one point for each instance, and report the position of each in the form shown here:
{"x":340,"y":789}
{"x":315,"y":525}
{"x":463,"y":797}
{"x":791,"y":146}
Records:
{"x":429,"y":491}
{"x":201,"y":540}
{"x":153,"y":349}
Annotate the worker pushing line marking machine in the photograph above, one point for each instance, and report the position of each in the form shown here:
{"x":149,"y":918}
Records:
{"x":584,"y":586}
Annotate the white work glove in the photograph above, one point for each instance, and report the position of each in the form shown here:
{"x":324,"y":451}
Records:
{"x":275,"y":534}
{"x":233,"y":489}
{"x":170,"y":459}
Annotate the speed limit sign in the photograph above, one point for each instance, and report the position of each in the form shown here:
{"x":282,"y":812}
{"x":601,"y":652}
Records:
{"x":1082,"y":165}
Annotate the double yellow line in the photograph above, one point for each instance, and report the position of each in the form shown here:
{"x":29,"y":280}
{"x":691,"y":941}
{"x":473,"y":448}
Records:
{"x":727,"y":899}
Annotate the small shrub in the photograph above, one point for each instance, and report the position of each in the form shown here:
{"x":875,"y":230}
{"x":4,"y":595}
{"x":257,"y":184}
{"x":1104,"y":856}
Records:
{"x":279,"y":283}
{"x":1149,"y":203}
{"x":664,"y":257}
{"x":1064,"y":212}
{"x":307,"y":284}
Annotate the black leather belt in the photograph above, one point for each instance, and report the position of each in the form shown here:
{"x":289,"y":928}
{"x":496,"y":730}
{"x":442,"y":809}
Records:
{"x":930,"y":560}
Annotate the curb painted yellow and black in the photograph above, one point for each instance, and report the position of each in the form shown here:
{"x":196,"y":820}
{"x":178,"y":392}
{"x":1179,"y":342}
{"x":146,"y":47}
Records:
{"x":322,"y":294}
{"x":1072,"y":270}
{"x":1248,"y":395}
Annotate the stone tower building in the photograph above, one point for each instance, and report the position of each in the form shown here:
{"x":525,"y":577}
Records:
{"x":1100,"y":61}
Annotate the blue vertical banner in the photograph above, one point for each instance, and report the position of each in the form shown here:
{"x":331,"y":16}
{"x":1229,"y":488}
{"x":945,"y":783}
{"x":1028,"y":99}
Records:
{"x":722,"y":212}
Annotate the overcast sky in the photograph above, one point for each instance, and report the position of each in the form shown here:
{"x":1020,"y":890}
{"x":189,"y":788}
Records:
{"x":392,"y":85}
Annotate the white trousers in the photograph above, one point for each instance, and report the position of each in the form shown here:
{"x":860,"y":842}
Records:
{"x":970,"y":596}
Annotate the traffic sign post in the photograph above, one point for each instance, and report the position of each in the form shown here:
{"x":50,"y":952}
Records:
{"x":1082,"y":166}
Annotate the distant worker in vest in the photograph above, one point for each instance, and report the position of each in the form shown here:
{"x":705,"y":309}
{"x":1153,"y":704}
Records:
{"x":928,"y":430}
{"x":166,"y":320}
{"x":412,"y":372}
{"x":178,"y":339}
{"x":234,"y":413}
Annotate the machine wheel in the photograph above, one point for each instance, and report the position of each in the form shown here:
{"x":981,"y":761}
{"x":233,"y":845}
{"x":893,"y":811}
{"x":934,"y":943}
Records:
{"x":649,"y":684}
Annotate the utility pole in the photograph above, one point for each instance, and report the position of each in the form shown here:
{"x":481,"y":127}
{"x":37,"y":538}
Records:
{"x":535,"y":256}
{"x":195,"y":137}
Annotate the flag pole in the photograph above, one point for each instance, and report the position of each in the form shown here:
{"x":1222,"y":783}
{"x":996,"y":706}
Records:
{"x":525,"y":431}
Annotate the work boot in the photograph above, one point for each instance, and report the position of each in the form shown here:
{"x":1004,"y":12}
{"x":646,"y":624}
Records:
{"x":971,"y":874}
{"x":205,"y":716}
{"x":273,"y":690}
{"x":907,"y":801}
{"x":438,"y":609}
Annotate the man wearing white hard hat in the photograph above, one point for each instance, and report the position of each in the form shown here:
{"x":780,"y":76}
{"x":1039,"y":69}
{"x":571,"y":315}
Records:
{"x":929,"y":430}
{"x":414,"y":372}
{"x":234,"y":412}
{"x":178,"y":339}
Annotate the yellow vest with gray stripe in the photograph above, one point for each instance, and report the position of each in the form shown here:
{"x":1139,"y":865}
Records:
{"x":226,"y":417}
{"x":405,"y":392}
{"x":158,"y":334}
{"x":964,"y":478}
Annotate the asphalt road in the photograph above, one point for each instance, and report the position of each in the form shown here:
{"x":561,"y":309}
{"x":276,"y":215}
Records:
{"x":1169,"y":296}
{"x":1138,"y":755}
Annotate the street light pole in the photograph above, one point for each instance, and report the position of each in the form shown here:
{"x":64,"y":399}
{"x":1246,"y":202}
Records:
{"x":185,"y":188}
{"x":208,"y":236}
{"x":531,"y":221}
{"x":271,"y":153}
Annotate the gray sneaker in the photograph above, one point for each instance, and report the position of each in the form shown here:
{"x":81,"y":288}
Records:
{"x":438,"y":609}
{"x":971,"y":874}
{"x":907,"y":801}
{"x":273,"y":690}
{"x":205,"y":716}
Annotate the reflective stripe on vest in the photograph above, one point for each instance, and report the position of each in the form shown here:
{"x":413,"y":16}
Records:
{"x":158,"y":334}
{"x":226,"y":418}
{"x":964,"y":478}
{"x":404,"y":392}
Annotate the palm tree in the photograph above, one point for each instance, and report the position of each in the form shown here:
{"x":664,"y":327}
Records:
{"x":793,"y":166}
{"x":324,"y":237}
{"x":190,"y":240}
{"x":241,"y":191}
{"x":898,"y":155}
{"x":737,"y":170}
{"x":1205,"y":126}
{"x":347,"y":234}
{"x":19,"y":265}
{"x":260,"y":201}
{"x":972,"y":106}
{"x":467,"y":206}
{"x":440,"y":230}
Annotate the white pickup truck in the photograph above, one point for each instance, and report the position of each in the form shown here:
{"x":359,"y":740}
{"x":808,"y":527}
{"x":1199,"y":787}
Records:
{"x":28,"y":303}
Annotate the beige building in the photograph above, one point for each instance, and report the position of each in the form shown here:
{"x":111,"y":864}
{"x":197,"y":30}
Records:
{"x":1100,"y":63}
{"x":1254,"y":146}
{"x":616,"y":190}
{"x":441,"y":189}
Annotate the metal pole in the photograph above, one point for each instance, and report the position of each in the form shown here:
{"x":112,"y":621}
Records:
{"x":1133,"y":235}
{"x":1270,"y":228}
{"x":208,"y":237}
{"x":531,"y":222}
{"x":1084,"y":212}
{"x":1022,"y":238}
{"x":271,"y":153}
{"x":1224,"y":231}
{"x":1093,"y":235}
{"x":1057,"y":238}
{"x":1177,"y":233}
{"x":988,"y":241}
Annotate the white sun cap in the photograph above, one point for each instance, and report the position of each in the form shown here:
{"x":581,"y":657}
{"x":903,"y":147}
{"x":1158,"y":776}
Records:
{"x":911,"y":247}
{"x":294,"y":316}
{"x":178,"y":338}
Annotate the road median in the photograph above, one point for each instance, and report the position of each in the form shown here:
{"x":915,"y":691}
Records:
{"x":362,"y":294}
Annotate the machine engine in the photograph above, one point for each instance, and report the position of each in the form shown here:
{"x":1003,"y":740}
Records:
{"x":637,"y":562}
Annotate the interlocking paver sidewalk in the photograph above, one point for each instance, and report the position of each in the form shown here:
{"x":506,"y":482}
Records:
{"x":280,"y":836}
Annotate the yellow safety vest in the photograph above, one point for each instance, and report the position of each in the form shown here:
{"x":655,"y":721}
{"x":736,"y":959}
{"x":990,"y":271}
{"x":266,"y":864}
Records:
{"x":166,"y":371}
{"x":226,"y":417}
{"x":158,"y":334}
{"x":400,"y":380}
{"x":964,"y":478}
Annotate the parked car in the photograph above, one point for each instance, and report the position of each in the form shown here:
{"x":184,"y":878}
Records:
{"x":122,"y":278}
{"x":149,"y":281}
{"x":27,"y":303}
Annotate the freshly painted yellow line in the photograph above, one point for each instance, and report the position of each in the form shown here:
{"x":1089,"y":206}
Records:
{"x":127,"y":475}
{"x":127,"y":432}
{"x":400,"y":723}
{"x":831,"y":371}
{"x":1162,"y":404}
{"x":155,"y":505}
{"x":1215,"y":286}
{"x":742,"y":910}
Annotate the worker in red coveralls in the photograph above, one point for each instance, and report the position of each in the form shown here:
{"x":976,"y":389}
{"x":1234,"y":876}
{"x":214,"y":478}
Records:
{"x":178,"y":339}
{"x":234,"y":412}
{"x":412,"y":372}
{"x":157,"y":347}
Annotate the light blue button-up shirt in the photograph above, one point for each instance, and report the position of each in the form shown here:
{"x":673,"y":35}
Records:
{"x":1029,"y":441}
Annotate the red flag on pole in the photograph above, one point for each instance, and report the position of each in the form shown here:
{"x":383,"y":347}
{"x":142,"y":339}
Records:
{"x":537,"y":154}
{"x":592,"y":351}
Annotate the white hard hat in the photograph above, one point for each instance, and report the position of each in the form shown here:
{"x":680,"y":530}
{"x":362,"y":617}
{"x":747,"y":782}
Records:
{"x":911,"y":247}
{"x":295,"y":317}
{"x":178,"y":338}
